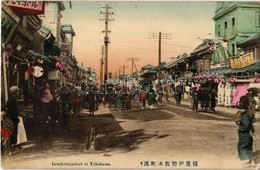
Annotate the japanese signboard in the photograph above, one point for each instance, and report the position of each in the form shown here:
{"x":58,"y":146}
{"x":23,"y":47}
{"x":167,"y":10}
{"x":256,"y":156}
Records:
{"x":242,"y":61}
{"x":30,"y":7}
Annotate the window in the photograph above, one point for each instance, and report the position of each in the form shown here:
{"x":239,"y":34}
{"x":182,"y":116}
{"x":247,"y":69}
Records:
{"x":225,"y":29}
{"x":233,"y":25}
{"x":233,"y":22}
{"x":257,"y":19}
{"x":218,"y":30}
{"x":233,"y":49}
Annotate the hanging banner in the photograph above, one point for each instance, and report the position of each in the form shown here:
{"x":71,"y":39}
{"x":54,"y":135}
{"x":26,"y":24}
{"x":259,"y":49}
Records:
{"x":242,"y":61}
{"x":30,"y":7}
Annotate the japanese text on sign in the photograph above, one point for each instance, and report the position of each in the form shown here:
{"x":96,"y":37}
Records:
{"x":34,"y":7}
{"x":242,"y":61}
{"x":27,"y":4}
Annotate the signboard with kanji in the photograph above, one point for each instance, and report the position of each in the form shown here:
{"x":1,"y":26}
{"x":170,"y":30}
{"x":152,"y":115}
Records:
{"x":242,"y":61}
{"x":30,"y":7}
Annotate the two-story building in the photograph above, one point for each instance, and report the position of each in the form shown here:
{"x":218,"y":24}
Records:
{"x":236,"y":23}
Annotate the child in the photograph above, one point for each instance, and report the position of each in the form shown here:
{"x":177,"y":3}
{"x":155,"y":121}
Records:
{"x":142,"y":97}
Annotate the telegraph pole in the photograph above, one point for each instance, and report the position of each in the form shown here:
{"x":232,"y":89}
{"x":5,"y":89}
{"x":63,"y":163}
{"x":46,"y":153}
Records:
{"x":132,"y":65}
{"x":106,"y":38}
{"x":101,"y":66}
{"x":123,"y":75}
{"x":160,"y":36}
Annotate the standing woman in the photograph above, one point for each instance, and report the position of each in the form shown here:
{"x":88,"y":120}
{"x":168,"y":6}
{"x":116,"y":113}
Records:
{"x":151,"y":97}
{"x":245,"y":121}
{"x":12,"y":109}
{"x":119,"y":100}
{"x":91,"y":99}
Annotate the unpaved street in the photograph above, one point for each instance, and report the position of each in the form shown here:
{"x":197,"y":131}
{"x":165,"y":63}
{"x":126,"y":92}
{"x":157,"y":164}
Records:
{"x":169,"y":136}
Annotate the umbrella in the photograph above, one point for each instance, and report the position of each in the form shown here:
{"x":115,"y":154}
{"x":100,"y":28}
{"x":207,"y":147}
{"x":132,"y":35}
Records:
{"x":145,"y":83}
{"x":254,"y":89}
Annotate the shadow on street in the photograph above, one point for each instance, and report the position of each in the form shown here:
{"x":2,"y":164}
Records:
{"x":57,"y":140}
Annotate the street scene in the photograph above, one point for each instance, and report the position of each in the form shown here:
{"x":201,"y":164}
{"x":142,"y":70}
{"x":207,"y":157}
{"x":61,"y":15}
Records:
{"x":141,"y":85}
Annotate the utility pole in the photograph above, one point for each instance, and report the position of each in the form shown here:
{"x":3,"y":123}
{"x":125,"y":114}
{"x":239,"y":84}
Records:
{"x":101,"y":66}
{"x":119,"y":75}
{"x":132,"y":65}
{"x":123,"y":75}
{"x":160,"y":36}
{"x":106,"y":38}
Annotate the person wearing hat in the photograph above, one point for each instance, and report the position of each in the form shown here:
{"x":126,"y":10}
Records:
{"x":12,"y":109}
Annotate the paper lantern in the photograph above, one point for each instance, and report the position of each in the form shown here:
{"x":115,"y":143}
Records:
{"x":257,"y":79}
{"x":222,"y":81}
{"x":62,"y":69}
{"x":30,"y":69}
{"x":232,"y":80}
{"x":5,"y":133}
{"x":58,"y":65}
{"x":38,"y":71}
{"x":216,"y":80}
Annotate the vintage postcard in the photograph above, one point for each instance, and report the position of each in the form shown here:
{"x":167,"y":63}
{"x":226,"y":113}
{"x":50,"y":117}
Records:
{"x":130,"y":84}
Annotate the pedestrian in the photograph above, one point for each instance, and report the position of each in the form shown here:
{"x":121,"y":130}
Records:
{"x":12,"y":108}
{"x":111,"y":101}
{"x":178,"y":93}
{"x":7,"y":129}
{"x":77,"y":102}
{"x":245,"y":120}
{"x":46,"y":104}
{"x":119,"y":100}
{"x":92,"y":101}
{"x":66,"y":104}
{"x":151,"y":98}
{"x":213,"y":94}
{"x":128,"y":102}
{"x":143,"y":97}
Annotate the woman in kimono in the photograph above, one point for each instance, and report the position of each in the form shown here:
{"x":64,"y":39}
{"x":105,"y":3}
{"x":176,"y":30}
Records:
{"x":119,"y":100}
{"x":92,"y":101}
{"x":151,"y":97}
{"x":245,"y":121}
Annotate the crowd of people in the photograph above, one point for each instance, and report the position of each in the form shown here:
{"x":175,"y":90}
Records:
{"x":54,"y":104}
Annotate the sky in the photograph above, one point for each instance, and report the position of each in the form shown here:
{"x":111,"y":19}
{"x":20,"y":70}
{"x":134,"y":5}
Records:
{"x":133,"y":23}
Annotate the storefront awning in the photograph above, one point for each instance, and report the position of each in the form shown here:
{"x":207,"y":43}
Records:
{"x":221,"y":70}
{"x":40,"y":56}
